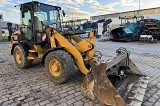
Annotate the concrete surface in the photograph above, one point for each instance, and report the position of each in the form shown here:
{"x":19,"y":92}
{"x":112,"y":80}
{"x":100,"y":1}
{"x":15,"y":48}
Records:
{"x":31,"y":87}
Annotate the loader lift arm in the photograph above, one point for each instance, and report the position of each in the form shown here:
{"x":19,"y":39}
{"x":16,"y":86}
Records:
{"x":81,"y":46}
{"x":106,"y":88}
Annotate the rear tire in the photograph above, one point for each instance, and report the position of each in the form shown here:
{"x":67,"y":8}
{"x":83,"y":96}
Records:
{"x":59,"y":66}
{"x":20,"y":59}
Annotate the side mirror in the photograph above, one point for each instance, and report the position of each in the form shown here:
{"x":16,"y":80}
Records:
{"x":9,"y":24}
{"x":64,"y":14}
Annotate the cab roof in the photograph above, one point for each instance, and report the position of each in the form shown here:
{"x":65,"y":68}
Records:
{"x":35,"y":2}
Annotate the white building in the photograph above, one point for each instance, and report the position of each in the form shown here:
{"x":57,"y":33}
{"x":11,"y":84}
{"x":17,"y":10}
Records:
{"x":147,"y":13}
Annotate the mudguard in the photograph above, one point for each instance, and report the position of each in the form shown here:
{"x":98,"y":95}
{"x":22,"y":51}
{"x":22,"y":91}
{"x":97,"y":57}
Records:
{"x":25,"y":47}
{"x":48,"y":51}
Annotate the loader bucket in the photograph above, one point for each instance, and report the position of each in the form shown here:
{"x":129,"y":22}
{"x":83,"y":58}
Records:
{"x":116,"y":83}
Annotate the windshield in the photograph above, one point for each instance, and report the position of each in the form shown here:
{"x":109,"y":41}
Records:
{"x":46,"y":14}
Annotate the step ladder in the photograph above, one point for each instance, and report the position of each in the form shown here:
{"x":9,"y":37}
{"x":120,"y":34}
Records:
{"x":32,"y":55}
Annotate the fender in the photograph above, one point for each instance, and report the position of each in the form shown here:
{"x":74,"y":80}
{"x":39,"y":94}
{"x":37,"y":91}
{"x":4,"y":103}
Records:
{"x":48,"y":51}
{"x":24,"y":46}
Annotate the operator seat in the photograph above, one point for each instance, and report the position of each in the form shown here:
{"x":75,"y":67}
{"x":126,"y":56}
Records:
{"x":38,"y":29}
{"x":38,"y":24}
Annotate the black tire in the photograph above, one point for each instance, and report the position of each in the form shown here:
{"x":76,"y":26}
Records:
{"x":24,"y":62}
{"x":66,"y":63}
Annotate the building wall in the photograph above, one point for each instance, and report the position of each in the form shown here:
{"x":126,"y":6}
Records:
{"x":0,"y":28}
{"x":147,"y":13}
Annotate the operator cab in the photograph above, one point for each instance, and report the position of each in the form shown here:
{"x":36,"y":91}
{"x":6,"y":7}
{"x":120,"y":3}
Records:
{"x":36,"y":17}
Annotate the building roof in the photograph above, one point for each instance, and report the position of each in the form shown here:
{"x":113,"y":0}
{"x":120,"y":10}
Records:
{"x":126,"y":12}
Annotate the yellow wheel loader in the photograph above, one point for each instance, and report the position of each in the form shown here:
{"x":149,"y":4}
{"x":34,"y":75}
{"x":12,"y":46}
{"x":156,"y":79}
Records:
{"x":116,"y":82}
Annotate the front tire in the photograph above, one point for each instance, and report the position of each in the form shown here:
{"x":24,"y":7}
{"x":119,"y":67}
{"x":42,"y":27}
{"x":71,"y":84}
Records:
{"x":59,"y":66}
{"x":20,"y":59}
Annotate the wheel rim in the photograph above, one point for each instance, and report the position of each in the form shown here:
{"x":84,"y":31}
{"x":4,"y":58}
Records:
{"x":18,"y":57}
{"x":55,"y":67}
